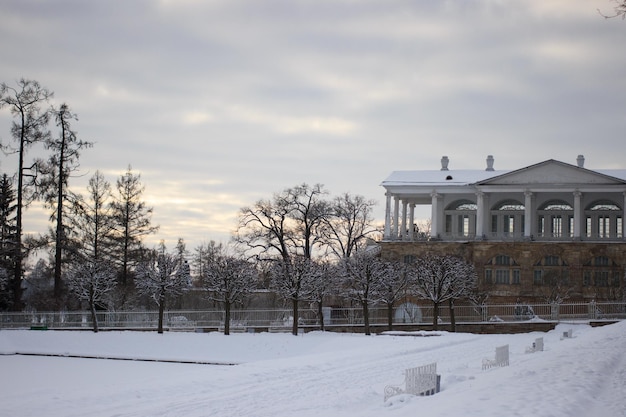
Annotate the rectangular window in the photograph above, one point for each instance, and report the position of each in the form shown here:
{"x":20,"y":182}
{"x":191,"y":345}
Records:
{"x":604,"y":227}
{"x":588,"y":230}
{"x":570,"y":221}
{"x":540,"y":226}
{"x":448,"y":223}
{"x":601,"y":278}
{"x":616,"y":282}
{"x":488,"y":276}
{"x":557,"y":226}
{"x":463,"y":226}
{"x":552,"y":260}
{"x":502,"y":276}
{"x":586,"y":278}
{"x":516,"y":279}
{"x":620,"y":227}
{"x":494,"y":224}
{"x":509,"y":224}
{"x":538,"y":277}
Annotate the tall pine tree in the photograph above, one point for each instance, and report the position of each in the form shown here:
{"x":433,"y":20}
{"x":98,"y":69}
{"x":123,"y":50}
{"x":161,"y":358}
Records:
{"x":132,"y":220}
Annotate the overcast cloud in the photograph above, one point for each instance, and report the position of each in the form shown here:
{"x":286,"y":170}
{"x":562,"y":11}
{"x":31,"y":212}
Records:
{"x":220,"y":103}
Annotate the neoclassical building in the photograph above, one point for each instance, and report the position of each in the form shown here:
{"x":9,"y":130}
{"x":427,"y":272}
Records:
{"x":546,"y":231}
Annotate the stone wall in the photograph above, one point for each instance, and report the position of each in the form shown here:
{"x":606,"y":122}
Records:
{"x":527,"y":255}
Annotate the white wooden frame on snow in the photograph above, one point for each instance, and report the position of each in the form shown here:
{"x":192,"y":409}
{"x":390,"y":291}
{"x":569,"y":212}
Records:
{"x":422,"y":380}
{"x":502,"y":358}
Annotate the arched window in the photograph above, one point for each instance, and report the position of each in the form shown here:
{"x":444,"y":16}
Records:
{"x":461,"y":219}
{"x":552,"y":271}
{"x":601,"y":271}
{"x":555,"y":219}
{"x":503,"y":270}
{"x":603,"y":220}
{"x":507,"y":219}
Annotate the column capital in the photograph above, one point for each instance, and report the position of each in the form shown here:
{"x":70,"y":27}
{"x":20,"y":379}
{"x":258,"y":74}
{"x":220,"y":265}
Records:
{"x":528,"y":193}
{"x":577,"y":193}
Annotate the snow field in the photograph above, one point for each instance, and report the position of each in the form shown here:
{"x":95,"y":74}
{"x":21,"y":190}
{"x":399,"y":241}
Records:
{"x":316,"y":374}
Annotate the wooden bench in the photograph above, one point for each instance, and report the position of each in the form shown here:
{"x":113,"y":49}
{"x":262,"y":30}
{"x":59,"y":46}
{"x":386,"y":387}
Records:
{"x":502,"y":358}
{"x":422,"y":380}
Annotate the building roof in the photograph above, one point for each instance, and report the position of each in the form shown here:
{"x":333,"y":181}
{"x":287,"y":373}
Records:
{"x":466,"y":177}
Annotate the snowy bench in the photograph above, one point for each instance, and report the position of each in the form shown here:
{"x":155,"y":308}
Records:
{"x":537,"y":346}
{"x":422,"y":380}
{"x":502,"y":358}
{"x":567,"y":334}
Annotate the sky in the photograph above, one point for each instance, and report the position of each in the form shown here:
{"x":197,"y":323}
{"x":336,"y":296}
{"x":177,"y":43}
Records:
{"x":217,"y":104}
{"x":315,"y":374}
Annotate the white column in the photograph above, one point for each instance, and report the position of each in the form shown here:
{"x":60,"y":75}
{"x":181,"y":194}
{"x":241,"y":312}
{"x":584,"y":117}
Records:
{"x":435,"y":215}
{"x":403,"y":231}
{"x":388,"y":215}
{"x":624,"y":218}
{"x":412,"y":221}
{"x":480,"y":215}
{"x":528,"y":213}
{"x":396,"y":209}
{"x":577,"y":213}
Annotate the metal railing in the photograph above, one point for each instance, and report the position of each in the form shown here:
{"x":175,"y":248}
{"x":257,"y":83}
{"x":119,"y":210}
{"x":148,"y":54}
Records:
{"x":278,"y":319}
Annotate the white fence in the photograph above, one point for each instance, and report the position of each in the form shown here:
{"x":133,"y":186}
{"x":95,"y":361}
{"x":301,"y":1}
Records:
{"x":275,"y":318}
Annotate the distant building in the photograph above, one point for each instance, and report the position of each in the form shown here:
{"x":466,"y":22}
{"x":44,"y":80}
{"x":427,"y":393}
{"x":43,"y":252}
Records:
{"x":543,"y":232}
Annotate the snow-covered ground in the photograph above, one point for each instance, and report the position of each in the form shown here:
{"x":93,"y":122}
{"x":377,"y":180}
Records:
{"x":316,"y":374}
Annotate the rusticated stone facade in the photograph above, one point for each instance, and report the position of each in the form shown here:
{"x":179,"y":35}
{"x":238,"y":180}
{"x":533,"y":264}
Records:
{"x":531,"y":272}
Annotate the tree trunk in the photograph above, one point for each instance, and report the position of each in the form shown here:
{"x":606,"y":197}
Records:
{"x":366,"y":318}
{"x":161,"y":310}
{"x":320,"y":314}
{"x":452,"y":317}
{"x":94,"y":317}
{"x":390,"y":316}
{"x":60,"y":240}
{"x":226,"y":318}
{"x":435,"y":315}
{"x":294,"y":328}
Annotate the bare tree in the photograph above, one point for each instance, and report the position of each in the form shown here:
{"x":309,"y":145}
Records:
{"x":203,"y":256}
{"x":291,"y":280}
{"x":264,"y":229}
{"x":363,"y":275}
{"x":442,"y":279}
{"x":229,"y":280}
{"x":55,"y":183}
{"x":285,"y":226}
{"x":619,"y":10}
{"x":349,"y":224}
{"x":308,"y":212}
{"x":393,"y":287}
{"x":132,"y":219}
{"x":162,"y":276}
{"x":324,"y":282}
{"x":93,"y":281}
{"x":30,"y":126}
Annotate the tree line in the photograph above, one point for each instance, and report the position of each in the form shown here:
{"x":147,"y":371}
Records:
{"x":101,"y":230}
{"x":301,"y":243}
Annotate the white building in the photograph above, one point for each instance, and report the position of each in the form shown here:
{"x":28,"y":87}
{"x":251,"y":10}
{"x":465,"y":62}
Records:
{"x":550,"y":200}
{"x":548,"y":231}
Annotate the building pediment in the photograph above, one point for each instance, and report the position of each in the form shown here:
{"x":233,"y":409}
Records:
{"x":552,"y":172}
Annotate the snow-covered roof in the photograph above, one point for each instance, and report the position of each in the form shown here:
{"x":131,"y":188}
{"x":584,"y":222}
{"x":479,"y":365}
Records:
{"x":438,"y":177}
{"x":466,"y":177}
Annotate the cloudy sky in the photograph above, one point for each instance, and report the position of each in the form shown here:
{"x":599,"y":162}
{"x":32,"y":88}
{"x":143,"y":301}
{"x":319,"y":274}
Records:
{"x":220,"y":103}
